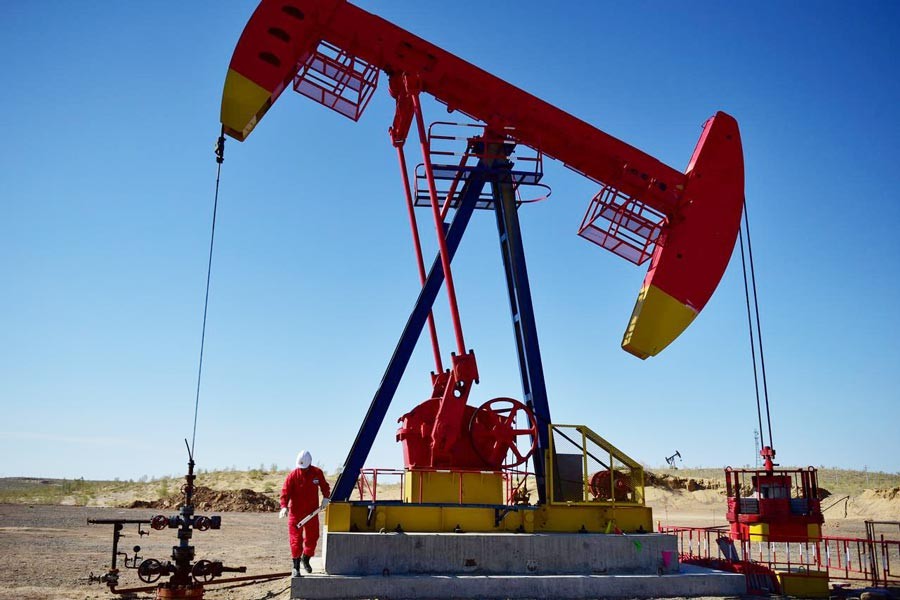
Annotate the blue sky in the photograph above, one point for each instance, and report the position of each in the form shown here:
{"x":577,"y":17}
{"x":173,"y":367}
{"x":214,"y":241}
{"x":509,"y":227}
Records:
{"x":111,"y":110}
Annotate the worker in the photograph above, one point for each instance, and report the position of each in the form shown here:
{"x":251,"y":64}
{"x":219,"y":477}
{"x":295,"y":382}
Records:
{"x":299,"y":499}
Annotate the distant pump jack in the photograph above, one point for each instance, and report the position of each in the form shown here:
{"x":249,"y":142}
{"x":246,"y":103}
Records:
{"x":670,"y":460}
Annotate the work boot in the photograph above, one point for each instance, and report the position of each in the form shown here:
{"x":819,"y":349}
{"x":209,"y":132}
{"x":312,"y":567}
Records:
{"x":304,"y":559}
{"x":295,"y":572}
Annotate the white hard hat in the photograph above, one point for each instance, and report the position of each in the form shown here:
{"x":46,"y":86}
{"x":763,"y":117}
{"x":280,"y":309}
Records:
{"x":304,"y":459}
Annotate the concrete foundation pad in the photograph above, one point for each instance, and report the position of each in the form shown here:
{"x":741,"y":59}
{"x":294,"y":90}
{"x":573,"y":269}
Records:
{"x":690,"y":581}
{"x":392,"y":554}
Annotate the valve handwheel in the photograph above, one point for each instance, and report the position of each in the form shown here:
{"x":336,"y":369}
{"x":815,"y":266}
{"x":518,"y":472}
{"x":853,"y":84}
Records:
{"x":159,"y":522}
{"x":202,"y":523}
{"x":150,"y":570}
{"x":493,"y":428}
{"x":203,"y":571}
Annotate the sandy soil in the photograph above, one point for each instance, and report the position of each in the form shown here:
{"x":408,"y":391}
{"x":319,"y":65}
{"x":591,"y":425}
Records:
{"x":47,"y":552}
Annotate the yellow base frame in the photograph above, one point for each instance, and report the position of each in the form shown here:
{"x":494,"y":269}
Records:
{"x":445,"y":501}
{"x":759,"y":532}
{"x":453,"y":487}
{"x":344,"y":516}
{"x":814,"y":532}
{"x":804,"y":584}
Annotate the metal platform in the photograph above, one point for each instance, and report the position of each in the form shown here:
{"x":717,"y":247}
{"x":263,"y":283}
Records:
{"x":689,"y":581}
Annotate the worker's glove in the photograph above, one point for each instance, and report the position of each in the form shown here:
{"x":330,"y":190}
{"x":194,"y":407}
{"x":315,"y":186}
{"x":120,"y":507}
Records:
{"x":283,"y":512}
{"x":325,"y":502}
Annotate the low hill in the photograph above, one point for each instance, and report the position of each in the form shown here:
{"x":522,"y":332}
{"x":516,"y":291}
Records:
{"x":686,"y":491}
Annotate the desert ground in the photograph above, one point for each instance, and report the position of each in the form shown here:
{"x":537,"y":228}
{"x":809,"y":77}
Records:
{"x":48,"y":551}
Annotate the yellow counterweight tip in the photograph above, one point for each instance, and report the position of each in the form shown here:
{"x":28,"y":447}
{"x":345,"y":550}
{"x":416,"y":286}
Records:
{"x":657,"y":319}
{"x":243,"y":103}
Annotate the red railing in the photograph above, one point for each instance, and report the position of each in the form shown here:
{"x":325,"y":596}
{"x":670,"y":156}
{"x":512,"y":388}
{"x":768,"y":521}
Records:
{"x":452,"y":151}
{"x":367,"y":484}
{"x":336,"y":79}
{"x":876,"y":561}
{"x":623,"y":225}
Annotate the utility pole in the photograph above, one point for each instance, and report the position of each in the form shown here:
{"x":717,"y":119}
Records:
{"x":756,"y":448}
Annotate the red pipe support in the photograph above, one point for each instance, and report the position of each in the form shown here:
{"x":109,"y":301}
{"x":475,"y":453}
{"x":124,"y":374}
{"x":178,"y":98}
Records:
{"x":438,"y":222}
{"x":420,"y":262}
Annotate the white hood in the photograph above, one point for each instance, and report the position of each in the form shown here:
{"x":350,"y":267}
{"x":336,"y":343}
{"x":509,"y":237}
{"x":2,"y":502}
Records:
{"x":304,"y":459}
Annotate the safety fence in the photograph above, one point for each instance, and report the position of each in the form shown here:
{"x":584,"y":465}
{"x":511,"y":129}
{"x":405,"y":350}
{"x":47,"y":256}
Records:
{"x":874,"y":560}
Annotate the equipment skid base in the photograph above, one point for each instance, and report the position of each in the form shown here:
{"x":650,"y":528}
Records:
{"x":508,"y":565}
{"x":390,"y":553}
{"x":690,"y":581}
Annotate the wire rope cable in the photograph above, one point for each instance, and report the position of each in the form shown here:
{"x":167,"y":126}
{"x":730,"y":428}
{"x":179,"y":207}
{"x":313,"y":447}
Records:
{"x":752,"y":338}
{"x":762,"y":357}
{"x":220,"y":158}
{"x":744,"y":231}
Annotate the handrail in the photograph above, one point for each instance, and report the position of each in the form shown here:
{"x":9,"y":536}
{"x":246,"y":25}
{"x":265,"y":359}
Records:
{"x":845,"y":558}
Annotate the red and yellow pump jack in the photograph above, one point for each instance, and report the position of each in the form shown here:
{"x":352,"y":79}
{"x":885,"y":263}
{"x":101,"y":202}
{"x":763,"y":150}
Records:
{"x":774,"y":534}
{"x":773,"y":505}
{"x":460,"y":458}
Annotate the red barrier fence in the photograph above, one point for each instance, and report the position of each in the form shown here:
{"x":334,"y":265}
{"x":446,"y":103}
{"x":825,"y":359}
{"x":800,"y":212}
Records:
{"x":875,"y":560}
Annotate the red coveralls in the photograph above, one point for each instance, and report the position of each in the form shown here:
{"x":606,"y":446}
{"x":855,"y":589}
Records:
{"x":300,"y":494}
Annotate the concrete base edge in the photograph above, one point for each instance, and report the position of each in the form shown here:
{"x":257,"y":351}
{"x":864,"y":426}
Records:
{"x":691,"y":581}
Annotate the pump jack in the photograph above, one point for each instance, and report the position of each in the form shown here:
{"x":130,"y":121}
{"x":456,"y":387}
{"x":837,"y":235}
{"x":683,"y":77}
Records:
{"x":684,"y":223}
{"x":670,"y":460}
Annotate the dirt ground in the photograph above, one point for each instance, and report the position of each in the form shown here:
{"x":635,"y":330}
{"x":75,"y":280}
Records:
{"x":47,"y":552}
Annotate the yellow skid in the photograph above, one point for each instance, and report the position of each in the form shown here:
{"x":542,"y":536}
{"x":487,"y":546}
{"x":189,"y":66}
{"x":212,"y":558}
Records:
{"x":345,"y":516}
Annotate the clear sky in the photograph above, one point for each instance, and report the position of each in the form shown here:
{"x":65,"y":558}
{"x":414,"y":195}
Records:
{"x":106,"y":180}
